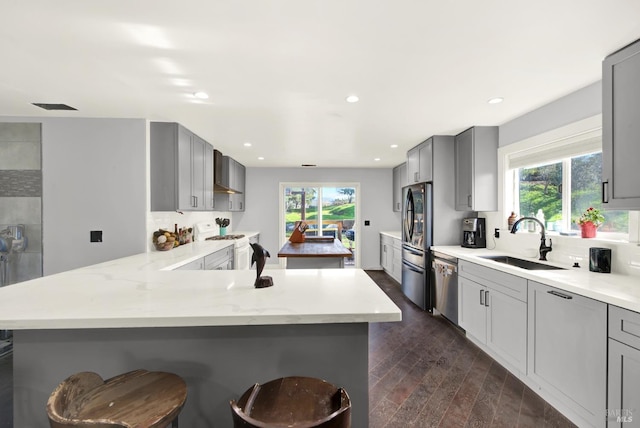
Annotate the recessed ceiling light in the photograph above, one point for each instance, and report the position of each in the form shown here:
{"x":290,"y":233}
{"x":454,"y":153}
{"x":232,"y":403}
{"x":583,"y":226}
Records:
{"x":376,"y":159}
{"x":496,"y":100}
{"x":201,"y":95}
{"x":260,"y":158}
{"x":394,"y":146}
{"x":352,"y":99}
{"x":247,"y":144}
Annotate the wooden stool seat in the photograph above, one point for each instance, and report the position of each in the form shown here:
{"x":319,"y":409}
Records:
{"x":135,"y":399}
{"x":301,"y":402}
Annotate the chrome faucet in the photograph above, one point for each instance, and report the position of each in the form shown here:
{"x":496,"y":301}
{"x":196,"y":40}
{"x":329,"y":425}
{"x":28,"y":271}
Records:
{"x":543,"y":240}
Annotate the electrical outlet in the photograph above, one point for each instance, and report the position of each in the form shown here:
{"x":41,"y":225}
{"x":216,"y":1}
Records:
{"x":95,"y":236}
{"x":496,"y":233}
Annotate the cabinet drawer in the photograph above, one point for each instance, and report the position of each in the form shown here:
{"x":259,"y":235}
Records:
{"x":194,"y":265}
{"x":215,"y":259}
{"x":506,"y":283}
{"x":624,"y":326}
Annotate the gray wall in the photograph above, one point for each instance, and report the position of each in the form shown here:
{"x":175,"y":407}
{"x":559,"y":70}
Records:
{"x":94,"y":178}
{"x":578,"y":105}
{"x":376,"y":202}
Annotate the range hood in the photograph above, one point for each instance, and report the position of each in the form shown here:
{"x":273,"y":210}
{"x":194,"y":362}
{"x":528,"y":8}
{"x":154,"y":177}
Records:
{"x":222,"y":182}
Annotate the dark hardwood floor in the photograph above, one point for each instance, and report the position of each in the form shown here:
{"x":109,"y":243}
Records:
{"x":423,"y":372}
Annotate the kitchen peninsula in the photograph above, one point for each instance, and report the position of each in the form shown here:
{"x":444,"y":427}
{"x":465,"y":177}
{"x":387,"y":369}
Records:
{"x":213,"y":328}
{"x":315,"y":253}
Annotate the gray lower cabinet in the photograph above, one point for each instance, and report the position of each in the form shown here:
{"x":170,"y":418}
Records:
{"x":391,"y":256}
{"x":397,"y":260}
{"x":493,"y":311}
{"x":194,"y":265}
{"x":220,"y":260}
{"x":386,"y":252}
{"x":399,"y":181}
{"x":623,"y":408}
{"x":620,"y":128}
{"x":567,"y":352}
{"x":476,"y":168}
{"x":181,"y":169}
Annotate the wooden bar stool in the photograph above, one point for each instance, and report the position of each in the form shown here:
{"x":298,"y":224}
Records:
{"x":301,"y":402}
{"x":135,"y":399}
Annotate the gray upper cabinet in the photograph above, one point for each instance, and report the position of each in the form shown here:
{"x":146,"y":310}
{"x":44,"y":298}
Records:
{"x":181,"y":169}
{"x":621,"y":128}
{"x":208,"y":174}
{"x":476,"y":167}
{"x":399,"y":181}
{"x":420,"y":163}
{"x":237,"y":199}
{"x":231,"y":196}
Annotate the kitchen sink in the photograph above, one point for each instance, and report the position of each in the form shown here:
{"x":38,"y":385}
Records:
{"x":521,"y":263}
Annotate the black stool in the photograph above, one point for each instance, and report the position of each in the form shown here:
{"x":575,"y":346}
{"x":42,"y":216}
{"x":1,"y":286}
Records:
{"x":301,"y":402}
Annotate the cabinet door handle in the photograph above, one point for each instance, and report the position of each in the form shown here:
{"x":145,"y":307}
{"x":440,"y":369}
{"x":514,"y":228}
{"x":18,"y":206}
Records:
{"x":605,"y":194}
{"x":481,"y":297}
{"x":556,"y":293}
{"x":240,"y":206}
{"x":230,"y":205}
{"x":469,"y":201}
{"x":486,"y":298}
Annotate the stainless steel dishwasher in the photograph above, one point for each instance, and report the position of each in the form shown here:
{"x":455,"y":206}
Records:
{"x":444,"y":271}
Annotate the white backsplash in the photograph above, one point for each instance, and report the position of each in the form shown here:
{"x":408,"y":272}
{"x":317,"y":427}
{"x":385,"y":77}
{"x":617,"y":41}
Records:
{"x":168,"y":219}
{"x":567,"y":250}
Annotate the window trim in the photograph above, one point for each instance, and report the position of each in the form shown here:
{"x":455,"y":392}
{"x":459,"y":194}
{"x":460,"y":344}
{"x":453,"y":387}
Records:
{"x":552,"y":139}
{"x":281,"y":214}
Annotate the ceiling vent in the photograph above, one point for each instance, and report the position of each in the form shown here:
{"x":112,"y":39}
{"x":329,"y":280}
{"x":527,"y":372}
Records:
{"x":54,"y":106}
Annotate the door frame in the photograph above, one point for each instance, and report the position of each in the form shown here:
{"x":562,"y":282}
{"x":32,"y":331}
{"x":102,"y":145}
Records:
{"x":281,"y":213}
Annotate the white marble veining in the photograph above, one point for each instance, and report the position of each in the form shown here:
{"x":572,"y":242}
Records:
{"x":615,"y":289}
{"x":143,"y":291}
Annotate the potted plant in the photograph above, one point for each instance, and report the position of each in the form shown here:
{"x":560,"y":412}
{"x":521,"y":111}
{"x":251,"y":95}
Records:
{"x":589,"y":221}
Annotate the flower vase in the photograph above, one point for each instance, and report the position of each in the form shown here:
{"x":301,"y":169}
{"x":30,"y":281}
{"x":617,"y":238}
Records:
{"x":223,"y":231}
{"x":588,"y":230}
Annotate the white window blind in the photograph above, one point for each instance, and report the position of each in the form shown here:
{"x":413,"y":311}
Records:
{"x":576,"y":145}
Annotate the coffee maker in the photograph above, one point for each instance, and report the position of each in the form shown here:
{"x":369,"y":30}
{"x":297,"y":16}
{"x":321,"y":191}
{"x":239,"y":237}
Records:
{"x":474,"y":233}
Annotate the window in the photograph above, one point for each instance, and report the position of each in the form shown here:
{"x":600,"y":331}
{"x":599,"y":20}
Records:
{"x":560,"y":191}
{"x":558,"y":175}
{"x":328,"y":209}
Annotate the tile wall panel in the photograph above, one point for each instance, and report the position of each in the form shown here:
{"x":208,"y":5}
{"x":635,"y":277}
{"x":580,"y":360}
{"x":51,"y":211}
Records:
{"x":20,"y":183}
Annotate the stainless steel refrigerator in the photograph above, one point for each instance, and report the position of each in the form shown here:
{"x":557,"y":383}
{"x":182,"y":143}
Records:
{"x":416,"y":239}
{"x":429,"y":218}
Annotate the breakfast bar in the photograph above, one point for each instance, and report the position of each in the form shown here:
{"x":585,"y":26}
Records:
{"x":315,"y":253}
{"x":212,"y":328}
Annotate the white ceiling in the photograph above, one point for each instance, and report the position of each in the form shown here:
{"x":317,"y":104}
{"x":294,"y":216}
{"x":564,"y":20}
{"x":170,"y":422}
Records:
{"x":278,"y":72}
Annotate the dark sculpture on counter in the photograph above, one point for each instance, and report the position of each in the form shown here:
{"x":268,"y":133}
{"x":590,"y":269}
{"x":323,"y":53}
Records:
{"x":260,"y":258}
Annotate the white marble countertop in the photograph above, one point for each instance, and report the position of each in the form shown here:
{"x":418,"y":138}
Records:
{"x":615,"y":289}
{"x":393,"y":234}
{"x":143,"y":291}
